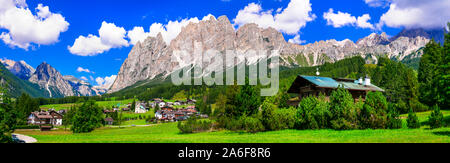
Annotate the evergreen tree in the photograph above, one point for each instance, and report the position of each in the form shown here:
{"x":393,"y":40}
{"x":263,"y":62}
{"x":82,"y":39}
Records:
{"x":87,"y":117}
{"x":220,"y":106}
{"x":436,"y":118}
{"x":68,"y":117}
{"x":248,"y":100}
{"x":7,"y":117}
{"x":133,"y":105}
{"x":24,"y":105}
{"x":373,"y":114}
{"x":429,"y":72}
{"x":393,"y":117}
{"x":343,"y":110}
{"x":413,"y":120}
{"x":444,"y":75}
{"x":231,"y":104}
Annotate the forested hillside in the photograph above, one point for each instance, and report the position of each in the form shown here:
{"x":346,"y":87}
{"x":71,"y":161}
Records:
{"x":17,"y":86}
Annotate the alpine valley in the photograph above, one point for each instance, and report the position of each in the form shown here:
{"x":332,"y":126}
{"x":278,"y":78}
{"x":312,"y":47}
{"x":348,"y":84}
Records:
{"x":152,"y":59}
{"x":44,"y":81}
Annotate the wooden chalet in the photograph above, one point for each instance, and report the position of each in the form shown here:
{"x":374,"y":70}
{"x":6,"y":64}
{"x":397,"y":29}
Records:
{"x":45,"y":119}
{"x":306,"y":86}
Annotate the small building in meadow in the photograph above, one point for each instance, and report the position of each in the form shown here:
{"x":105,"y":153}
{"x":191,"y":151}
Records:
{"x":109,"y":121}
{"x":140,"y":108}
{"x":45,"y":119}
{"x":306,"y":86}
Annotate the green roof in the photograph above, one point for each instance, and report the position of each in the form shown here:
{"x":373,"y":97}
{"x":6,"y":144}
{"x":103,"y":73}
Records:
{"x":326,"y":82}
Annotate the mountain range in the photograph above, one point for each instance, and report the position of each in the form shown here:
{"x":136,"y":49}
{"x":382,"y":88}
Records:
{"x":48,"y":81}
{"x":153,"y":57}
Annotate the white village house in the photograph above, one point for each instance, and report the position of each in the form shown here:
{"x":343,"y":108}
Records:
{"x":45,"y":118}
{"x":140,"y":108}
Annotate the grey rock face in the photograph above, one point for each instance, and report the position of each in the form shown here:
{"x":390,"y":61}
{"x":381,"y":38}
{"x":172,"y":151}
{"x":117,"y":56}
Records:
{"x":80,"y":87}
{"x":21,"y":69}
{"x":153,"y":57}
{"x":50,"y":79}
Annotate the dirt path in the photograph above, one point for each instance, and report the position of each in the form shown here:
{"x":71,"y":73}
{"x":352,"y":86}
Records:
{"x":25,"y":138}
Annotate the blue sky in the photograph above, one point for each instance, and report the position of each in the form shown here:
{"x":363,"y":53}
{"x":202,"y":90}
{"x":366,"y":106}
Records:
{"x":84,"y":17}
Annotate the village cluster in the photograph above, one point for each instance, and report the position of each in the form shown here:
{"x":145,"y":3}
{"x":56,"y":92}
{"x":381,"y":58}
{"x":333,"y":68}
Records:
{"x":165,"y":111}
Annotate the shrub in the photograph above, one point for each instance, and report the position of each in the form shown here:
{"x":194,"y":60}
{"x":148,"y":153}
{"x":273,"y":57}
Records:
{"x":267,"y":112}
{"x":88,"y":117}
{"x":343,"y":110}
{"x":393,"y":117}
{"x":194,"y":125}
{"x":243,"y":123}
{"x":435,"y":120}
{"x":251,"y":124}
{"x":402,"y":107}
{"x":373,"y":112}
{"x":412,"y":121}
{"x":418,"y":106}
{"x":285,"y":119}
{"x":312,"y":113}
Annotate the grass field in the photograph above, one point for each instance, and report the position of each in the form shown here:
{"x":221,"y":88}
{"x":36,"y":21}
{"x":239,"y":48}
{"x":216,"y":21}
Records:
{"x":107,"y":104}
{"x":169,"y":133}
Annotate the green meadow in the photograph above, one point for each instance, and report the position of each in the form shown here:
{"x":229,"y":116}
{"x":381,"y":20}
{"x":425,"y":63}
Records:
{"x":105,"y":104}
{"x":169,"y":133}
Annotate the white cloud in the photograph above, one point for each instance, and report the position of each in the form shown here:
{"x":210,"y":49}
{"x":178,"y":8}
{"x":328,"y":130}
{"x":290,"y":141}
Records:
{"x":341,"y":19}
{"x":111,"y":36}
{"x":168,"y":31}
{"x":377,"y":3}
{"x":296,"y":40}
{"x":105,"y":82}
{"x":416,"y":14}
{"x":338,"y":19}
{"x":84,"y":78}
{"x":25,"y":29}
{"x":88,"y":46}
{"x":137,"y":34}
{"x":362,"y":21}
{"x":81,"y":69}
{"x":289,"y":20}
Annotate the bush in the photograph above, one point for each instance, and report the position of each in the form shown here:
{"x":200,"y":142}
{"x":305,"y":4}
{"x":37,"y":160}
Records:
{"x":285,"y":119}
{"x":267,"y":111}
{"x":312,"y":113}
{"x":412,"y":121}
{"x":87,"y":117}
{"x":343,"y":110}
{"x":251,"y":124}
{"x":393,"y":117}
{"x":418,"y":106}
{"x":194,"y":125}
{"x":436,"y":119}
{"x":373,"y":112}
{"x":402,"y":107}
{"x":243,"y":123}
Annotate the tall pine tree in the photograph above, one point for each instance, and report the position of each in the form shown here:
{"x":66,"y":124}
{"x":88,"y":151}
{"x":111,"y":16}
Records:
{"x":444,"y":75}
{"x":429,"y":73}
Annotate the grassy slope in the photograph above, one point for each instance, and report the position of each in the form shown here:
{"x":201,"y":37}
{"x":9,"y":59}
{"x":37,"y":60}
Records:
{"x":20,"y":86}
{"x":107,"y":104}
{"x":168,"y":133}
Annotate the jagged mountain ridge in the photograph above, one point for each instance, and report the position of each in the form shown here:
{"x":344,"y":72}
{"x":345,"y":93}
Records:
{"x":153,"y":57}
{"x":49,"y":81}
{"x":17,"y":86}
{"x":21,"y":69}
